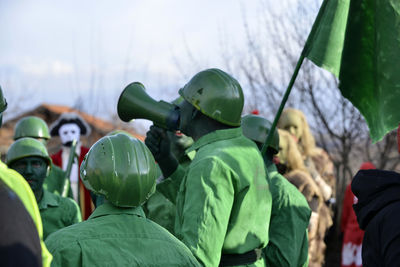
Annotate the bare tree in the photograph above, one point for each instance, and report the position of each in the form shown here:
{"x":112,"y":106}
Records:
{"x":267,"y":65}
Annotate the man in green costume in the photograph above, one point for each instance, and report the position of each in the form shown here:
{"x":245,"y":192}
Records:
{"x":29,"y":158}
{"x":14,"y":181}
{"x":121,"y":172}
{"x":288,"y":241}
{"x":223,"y":199}
{"x":159,"y":208}
{"x":37,"y":128}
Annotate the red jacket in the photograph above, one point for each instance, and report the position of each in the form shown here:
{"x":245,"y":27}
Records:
{"x":86,"y":204}
{"x":349,"y":218}
{"x":352,"y":234}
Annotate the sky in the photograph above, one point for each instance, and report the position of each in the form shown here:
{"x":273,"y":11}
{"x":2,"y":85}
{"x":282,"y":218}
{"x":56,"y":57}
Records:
{"x":69,"y":52}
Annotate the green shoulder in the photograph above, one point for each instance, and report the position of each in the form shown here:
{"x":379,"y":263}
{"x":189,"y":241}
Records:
{"x":72,"y":212}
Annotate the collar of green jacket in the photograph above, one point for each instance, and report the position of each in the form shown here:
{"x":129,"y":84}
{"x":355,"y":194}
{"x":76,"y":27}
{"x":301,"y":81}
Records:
{"x":214,"y":137}
{"x":109,"y":209}
{"x":190,"y":155}
{"x":48,"y":199}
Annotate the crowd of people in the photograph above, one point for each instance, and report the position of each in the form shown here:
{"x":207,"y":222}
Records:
{"x":202,"y":195}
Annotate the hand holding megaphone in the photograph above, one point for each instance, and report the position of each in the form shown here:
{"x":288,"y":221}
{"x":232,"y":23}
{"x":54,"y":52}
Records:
{"x":135,"y":103}
{"x":158,"y":142}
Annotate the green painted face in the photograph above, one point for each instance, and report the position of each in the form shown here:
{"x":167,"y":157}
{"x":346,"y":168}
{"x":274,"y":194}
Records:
{"x":180,"y":140}
{"x":179,"y":143}
{"x":33,"y":169}
{"x":291,"y":122}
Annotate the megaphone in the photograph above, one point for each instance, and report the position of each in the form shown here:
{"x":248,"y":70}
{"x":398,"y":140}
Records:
{"x":135,"y":103}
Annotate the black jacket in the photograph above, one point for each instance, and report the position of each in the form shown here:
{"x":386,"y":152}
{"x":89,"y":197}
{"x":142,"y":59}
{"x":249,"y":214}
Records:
{"x":19,"y":239}
{"x":378,"y":213}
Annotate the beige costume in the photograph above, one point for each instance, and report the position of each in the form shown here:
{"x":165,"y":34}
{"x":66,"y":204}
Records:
{"x":315,"y":159}
{"x":298,"y":175}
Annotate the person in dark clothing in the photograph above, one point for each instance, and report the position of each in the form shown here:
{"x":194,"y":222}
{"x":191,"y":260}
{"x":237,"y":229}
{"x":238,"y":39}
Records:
{"x":19,"y":242}
{"x":378,"y":213}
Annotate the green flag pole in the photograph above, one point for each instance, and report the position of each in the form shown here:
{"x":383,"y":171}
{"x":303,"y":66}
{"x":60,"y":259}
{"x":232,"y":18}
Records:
{"x":283,"y":102}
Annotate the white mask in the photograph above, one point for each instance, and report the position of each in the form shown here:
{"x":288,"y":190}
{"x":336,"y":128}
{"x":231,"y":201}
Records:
{"x":69,"y":132}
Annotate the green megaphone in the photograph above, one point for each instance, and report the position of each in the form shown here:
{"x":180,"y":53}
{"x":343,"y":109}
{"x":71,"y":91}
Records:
{"x":135,"y":103}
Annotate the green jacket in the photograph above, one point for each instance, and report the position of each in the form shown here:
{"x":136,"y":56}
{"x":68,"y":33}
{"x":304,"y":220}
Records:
{"x":115,"y":236}
{"x":223,"y":202}
{"x":288,"y":240}
{"x":161,"y":211}
{"x":19,"y":185}
{"x":54,"y":182}
{"x":57,"y":212}
{"x":159,"y":208}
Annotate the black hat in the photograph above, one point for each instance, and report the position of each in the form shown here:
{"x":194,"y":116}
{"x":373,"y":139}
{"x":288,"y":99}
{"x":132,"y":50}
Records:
{"x":70,"y":118}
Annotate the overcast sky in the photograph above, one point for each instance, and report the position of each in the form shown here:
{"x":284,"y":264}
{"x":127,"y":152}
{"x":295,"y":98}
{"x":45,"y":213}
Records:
{"x":56,"y":51}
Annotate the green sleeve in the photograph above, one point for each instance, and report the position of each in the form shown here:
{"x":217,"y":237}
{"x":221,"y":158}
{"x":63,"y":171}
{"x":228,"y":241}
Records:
{"x":275,"y":257}
{"x":73,"y":212}
{"x":65,"y":255}
{"x":170,"y":186}
{"x":208,"y":199}
{"x":289,"y":221}
{"x":303,"y":259}
{"x":160,"y":210}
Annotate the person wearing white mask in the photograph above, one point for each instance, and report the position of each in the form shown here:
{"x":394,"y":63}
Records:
{"x":70,"y":127}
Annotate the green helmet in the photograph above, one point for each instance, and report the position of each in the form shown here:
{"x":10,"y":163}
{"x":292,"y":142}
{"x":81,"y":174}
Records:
{"x":3,"y":102}
{"x":31,"y":126}
{"x":216,"y":94}
{"x":27,"y":147}
{"x":120,"y":168}
{"x":257,"y":128}
{"x":115,"y":132}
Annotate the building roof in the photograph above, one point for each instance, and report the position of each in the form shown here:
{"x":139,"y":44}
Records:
{"x":49,"y":113}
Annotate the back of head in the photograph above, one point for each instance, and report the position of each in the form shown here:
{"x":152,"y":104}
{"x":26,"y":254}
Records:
{"x":121,"y":169}
{"x":26,"y":147}
{"x":31,"y":126}
{"x":257,"y":129}
{"x":217,"y":95}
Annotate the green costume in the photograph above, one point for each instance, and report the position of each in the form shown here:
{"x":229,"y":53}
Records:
{"x":54,"y":183}
{"x":223,"y":202}
{"x":288,"y":241}
{"x":159,"y":208}
{"x":57,"y":212}
{"x":36,"y":127}
{"x":114,"y":236}
{"x":161,"y":211}
{"x":122,"y":170}
{"x":29,"y":157}
{"x":288,"y":237}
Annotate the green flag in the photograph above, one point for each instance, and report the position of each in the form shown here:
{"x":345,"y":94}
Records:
{"x":359,"y":42}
